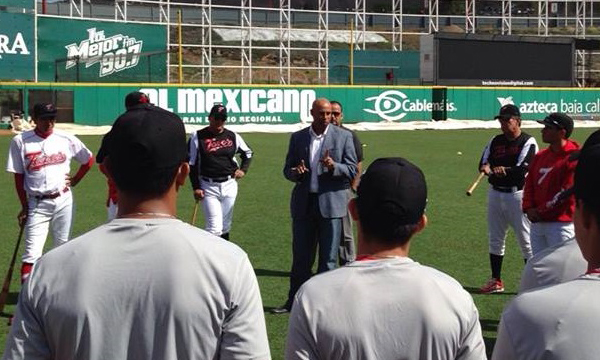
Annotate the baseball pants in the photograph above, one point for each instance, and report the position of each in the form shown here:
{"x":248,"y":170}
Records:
{"x":56,"y":214}
{"x":546,"y":234}
{"x":218,"y":202}
{"x":504,"y":210}
{"x":347,"y":248}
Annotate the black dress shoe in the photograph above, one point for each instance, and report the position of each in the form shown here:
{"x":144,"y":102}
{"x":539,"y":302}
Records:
{"x":281,"y":310}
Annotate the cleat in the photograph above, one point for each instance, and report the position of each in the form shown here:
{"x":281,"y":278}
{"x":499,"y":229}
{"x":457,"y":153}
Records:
{"x":492,"y":286}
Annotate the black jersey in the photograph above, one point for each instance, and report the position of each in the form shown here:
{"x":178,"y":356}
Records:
{"x":515,"y":155}
{"x":213,"y":155}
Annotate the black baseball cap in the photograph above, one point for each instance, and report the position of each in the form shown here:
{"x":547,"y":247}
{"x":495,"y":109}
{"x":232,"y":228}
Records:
{"x":44,"y":111}
{"x":394,"y":190}
{"x":559,"y":121}
{"x":218,"y":112}
{"x":508,"y":111}
{"x":145,"y":140}
{"x":587,"y":172}
{"x":135,"y":98}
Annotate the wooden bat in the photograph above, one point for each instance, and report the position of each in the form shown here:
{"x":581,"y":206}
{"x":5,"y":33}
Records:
{"x":475,"y":183}
{"x":8,"y":278}
{"x":193,"y":222}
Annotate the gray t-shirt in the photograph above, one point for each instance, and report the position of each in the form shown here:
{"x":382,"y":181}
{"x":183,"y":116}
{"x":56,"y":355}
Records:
{"x":384,"y":309}
{"x":553,"y":265}
{"x":141,"y":289}
{"x":553,"y":322}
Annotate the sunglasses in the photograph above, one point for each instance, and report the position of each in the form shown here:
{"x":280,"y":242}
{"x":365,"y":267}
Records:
{"x":336,"y":113}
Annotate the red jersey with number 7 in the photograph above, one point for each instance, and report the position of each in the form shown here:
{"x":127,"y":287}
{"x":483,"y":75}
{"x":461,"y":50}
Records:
{"x":551,"y":173}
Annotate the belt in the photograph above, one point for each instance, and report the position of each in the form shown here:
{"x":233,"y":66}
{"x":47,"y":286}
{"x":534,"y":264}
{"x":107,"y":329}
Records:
{"x":218,"y":179}
{"x":52,"y":195}
{"x":507,"y":189}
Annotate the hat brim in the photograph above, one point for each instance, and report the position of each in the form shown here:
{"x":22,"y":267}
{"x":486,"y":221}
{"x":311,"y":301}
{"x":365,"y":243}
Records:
{"x":503,"y":117}
{"x":46,"y":117}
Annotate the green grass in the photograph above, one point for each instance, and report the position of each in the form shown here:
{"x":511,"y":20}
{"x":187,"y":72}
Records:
{"x":455,"y":240}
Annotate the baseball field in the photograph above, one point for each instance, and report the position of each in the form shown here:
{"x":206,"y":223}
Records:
{"x":455,"y":240}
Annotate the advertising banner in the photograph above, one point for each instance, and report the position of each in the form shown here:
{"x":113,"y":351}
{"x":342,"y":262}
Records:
{"x":534,"y":103}
{"x":95,"y":104}
{"x":17,"y":50}
{"x":292,"y":105}
{"x":101,"y":51}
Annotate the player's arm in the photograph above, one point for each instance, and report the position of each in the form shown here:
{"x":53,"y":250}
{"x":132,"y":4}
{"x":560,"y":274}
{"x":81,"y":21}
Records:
{"x":245,"y":154}
{"x":300,"y":343}
{"x":484,"y":165}
{"x":472,"y":345}
{"x":525,"y":158}
{"x":194,"y":161}
{"x":528,"y":192}
{"x":15,"y":165}
{"x":20,"y":188}
{"x":27,"y":339}
{"x":83,"y":169}
{"x":244,"y":332}
{"x":563,"y":198}
{"x":503,"y":349}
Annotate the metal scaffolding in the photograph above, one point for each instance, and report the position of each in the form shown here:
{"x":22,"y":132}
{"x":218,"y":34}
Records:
{"x":291,"y":31}
{"x":580,"y":33}
{"x":206,"y":41}
{"x":506,"y":17}
{"x":284,"y":41}
{"x":323,"y":43}
{"x":246,"y":44}
{"x":397,"y":25}
{"x":434,"y":18}
{"x":76,"y":8}
{"x":360,"y":7}
{"x":543,"y":17}
{"x":470,"y":16}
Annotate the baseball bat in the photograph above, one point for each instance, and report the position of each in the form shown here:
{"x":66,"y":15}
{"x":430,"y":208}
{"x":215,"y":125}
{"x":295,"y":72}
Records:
{"x":475,"y":183}
{"x":8,"y":278}
{"x":193,"y":222}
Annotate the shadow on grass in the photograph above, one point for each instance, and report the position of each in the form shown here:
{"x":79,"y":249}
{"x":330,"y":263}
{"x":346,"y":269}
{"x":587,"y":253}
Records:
{"x":489,"y":325}
{"x":276,"y":273}
{"x":489,"y":346}
{"x":475,"y":291}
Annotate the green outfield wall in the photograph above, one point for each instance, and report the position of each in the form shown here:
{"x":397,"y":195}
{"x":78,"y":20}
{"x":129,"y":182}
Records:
{"x":99,"y":104}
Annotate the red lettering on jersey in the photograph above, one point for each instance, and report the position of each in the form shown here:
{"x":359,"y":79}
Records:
{"x":212,"y":145}
{"x":499,"y":151}
{"x":38,"y":161}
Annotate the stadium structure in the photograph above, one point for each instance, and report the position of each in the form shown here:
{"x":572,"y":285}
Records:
{"x":287,"y":41}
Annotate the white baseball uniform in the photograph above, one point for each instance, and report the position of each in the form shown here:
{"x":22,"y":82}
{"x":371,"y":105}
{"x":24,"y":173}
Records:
{"x":506,"y":193}
{"x":554,"y":322}
{"x":45,"y":163}
{"x":384,"y":309}
{"x":141,"y":289}
{"x":553,"y":265}
{"x":213,"y":155}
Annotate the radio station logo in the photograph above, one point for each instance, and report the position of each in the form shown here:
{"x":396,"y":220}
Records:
{"x":115,"y":53}
{"x":394,"y":105}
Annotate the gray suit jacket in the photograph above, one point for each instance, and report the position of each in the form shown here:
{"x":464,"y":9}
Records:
{"x":333,"y":198}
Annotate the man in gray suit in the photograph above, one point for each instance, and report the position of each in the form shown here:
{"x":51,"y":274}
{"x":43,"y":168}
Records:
{"x":321,"y":161}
